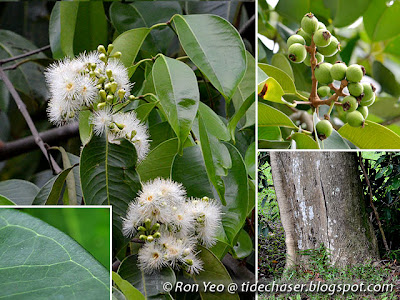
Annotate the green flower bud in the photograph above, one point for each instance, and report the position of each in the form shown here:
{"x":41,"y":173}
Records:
{"x":205,"y":198}
{"x":157,"y":235}
{"x":110,"y":48}
{"x":101,"y":49}
{"x":150,"y":238}
{"x":107,"y":86}
{"x":189,"y":262}
{"x":110,"y":98}
{"x":103,"y":94}
{"x":117,"y":55}
{"x":111,"y":79}
{"x":120,"y":126}
{"x":141,"y":228}
{"x":109,"y":73}
{"x":92,"y":74}
{"x":155,"y":227}
{"x":131,"y":97}
{"x":93,"y":66}
{"x":101,"y":80}
{"x":103,"y":57}
{"x":143,"y":237}
{"x":121,"y":93}
{"x":101,"y":105}
{"x":114,"y":87}
{"x":186,"y":252}
{"x":147,"y":223}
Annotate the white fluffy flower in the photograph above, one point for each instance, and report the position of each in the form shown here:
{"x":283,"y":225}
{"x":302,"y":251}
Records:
{"x":182,"y":219}
{"x":193,"y":264}
{"x":61,"y":112}
{"x":151,"y":258}
{"x":133,"y":220}
{"x":101,"y":120}
{"x":86,"y":90}
{"x":170,"y":191}
{"x":207,"y":215}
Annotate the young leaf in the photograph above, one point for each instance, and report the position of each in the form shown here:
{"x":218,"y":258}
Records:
{"x":269,"y":116}
{"x":207,"y":40}
{"x":177,"y":90}
{"x":130,"y":292}
{"x":41,"y":262}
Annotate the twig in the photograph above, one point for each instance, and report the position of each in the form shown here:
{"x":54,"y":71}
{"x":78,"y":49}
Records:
{"x":22,"y":107}
{"x":372,"y":204}
{"x":3,"y":61}
{"x":27,"y":144}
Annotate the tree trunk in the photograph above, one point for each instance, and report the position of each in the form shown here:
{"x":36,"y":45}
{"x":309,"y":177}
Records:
{"x":321,"y":202}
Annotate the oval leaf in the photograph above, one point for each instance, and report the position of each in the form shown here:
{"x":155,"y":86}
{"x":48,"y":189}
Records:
{"x":269,"y":116}
{"x":177,"y":90}
{"x":20,"y":192}
{"x":5,"y":201}
{"x":304,"y":141}
{"x":213,"y":122}
{"x":280,"y":76}
{"x":207,"y":39}
{"x":33,"y":251}
{"x":130,"y":292}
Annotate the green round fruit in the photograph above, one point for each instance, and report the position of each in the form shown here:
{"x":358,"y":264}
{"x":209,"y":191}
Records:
{"x":323,"y":73}
{"x":324,"y":129}
{"x":368,"y":102}
{"x":338,"y":71}
{"x":331,"y":49}
{"x":355,"y":119}
{"x":305,"y":35}
{"x":355,"y":73}
{"x":369,"y":95}
{"x":318,"y":56}
{"x":295,"y":39}
{"x":363,"y":110}
{"x":322,"y":38}
{"x":349,"y":104}
{"x":355,"y":89}
{"x":309,"y":23}
{"x":321,"y":26}
{"x":297,"y":53}
{"x":323,"y":91}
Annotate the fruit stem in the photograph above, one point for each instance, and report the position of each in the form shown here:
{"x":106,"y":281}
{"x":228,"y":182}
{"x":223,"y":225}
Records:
{"x":314,"y":98}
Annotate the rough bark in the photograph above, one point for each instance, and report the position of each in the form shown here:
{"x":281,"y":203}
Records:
{"x":320,"y":201}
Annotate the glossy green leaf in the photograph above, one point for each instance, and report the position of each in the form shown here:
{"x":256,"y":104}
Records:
{"x":393,"y":46}
{"x":20,"y":192}
{"x":130,"y":292}
{"x":221,"y":157}
{"x":250,"y":160}
{"x":215,"y":272}
{"x":296,"y":9}
{"x":273,"y":91}
{"x":70,"y":194}
{"x":28,"y":78}
{"x":269,"y":116}
{"x":149,"y":285}
{"x":239,"y":114}
{"x":245,"y":89}
{"x":244,"y":245}
{"x":372,"y":136}
{"x":304,"y":141}
{"x":216,"y":180}
{"x":85,"y":126}
{"x":252,"y":197}
{"x":346,"y":14}
{"x":386,"y":79}
{"x":176,"y":88}
{"x":159,"y":133}
{"x":263,"y":144}
{"x":334,"y":141}
{"x":190,"y":170}
{"x":213,"y":122}
{"x":5,"y":201}
{"x":76,"y":27}
{"x":269,"y":133}
{"x":379,"y":20}
{"x":280,"y":61}
{"x":41,"y":262}
{"x":50,"y":193}
{"x":386,"y":108}
{"x":207,"y":39}
{"x":108,"y":177}
{"x":280,"y":76}
{"x":158,"y":162}
{"x":129,"y":43}
{"x":143,"y":111}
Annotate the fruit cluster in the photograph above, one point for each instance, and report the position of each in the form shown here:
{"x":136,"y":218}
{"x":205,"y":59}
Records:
{"x":314,"y":39}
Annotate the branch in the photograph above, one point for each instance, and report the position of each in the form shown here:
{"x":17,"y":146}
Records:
{"x":22,"y":107}
{"x":27,"y":144}
{"x":3,"y":61}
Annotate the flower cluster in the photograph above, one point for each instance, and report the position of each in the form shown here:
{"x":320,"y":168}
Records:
{"x":99,"y":82}
{"x":171,"y":225}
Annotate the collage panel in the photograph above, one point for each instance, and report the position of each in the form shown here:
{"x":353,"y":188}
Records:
{"x":147,"y":107}
{"x":328,"y":225}
{"x":328,"y":77}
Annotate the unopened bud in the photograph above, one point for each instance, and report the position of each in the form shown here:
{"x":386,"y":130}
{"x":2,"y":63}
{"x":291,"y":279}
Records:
{"x":117,"y":55}
{"x":205,"y":198}
{"x":157,"y":235}
{"x":189,"y":262}
{"x":150,"y":238}
{"x":109,"y":73}
{"x":101,"y":105}
{"x":141,"y":228}
{"x":147,"y":223}
{"x":131,"y":97}
{"x":114,"y":87}
{"x":155,"y":226}
{"x":143,"y":237}
{"x":101,"y":49}
{"x":101,"y":80}
{"x":186,"y":252}
{"x":110,"y":48}
{"x":92,"y":74}
{"x":93,"y":66}
{"x":121,"y":93}
{"x":111,"y":79}
{"x":120,"y":126}
{"x":107,"y":86}
{"x":103,"y":57}
{"x":103,"y":94}
{"x":110,"y":98}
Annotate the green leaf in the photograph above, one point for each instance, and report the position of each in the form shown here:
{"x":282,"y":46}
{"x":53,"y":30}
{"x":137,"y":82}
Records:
{"x":50,"y":193}
{"x":296,"y":9}
{"x":334,"y":141}
{"x":281,"y":77}
{"x":372,"y":136}
{"x":177,"y":90}
{"x":263,"y":144}
{"x":304,"y":141}
{"x":213,"y":122}
{"x":108,"y":177}
{"x":393,"y":46}
{"x":158,"y":162}
{"x":245,"y":89}
{"x":149,"y":285}
{"x":386,"y":108}
{"x":130,"y":292}
{"x":117,"y":294}
{"x":85,"y":126}
{"x":129,"y":43}
{"x":280,"y":61}
{"x":28,"y":78}
{"x":143,"y":111}
{"x":244,"y":245}
{"x":379,"y":20}
{"x":20,"y":192}
{"x":269,"y":116}
{"x":41,"y":262}
{"x":269,"y":133}
{"x":386,"y":78}
{"x":215,"y":272}
{"x":346,"y":14}
{"x":207,"y":39}
{"x":159,"y":133}
{"x":5,"y":201}
{"x":76,"y":27}
{"x":216,"y":180}
{"x":271,"y":91}
{"x":239,"y":114}
{"x":250,"y":160}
